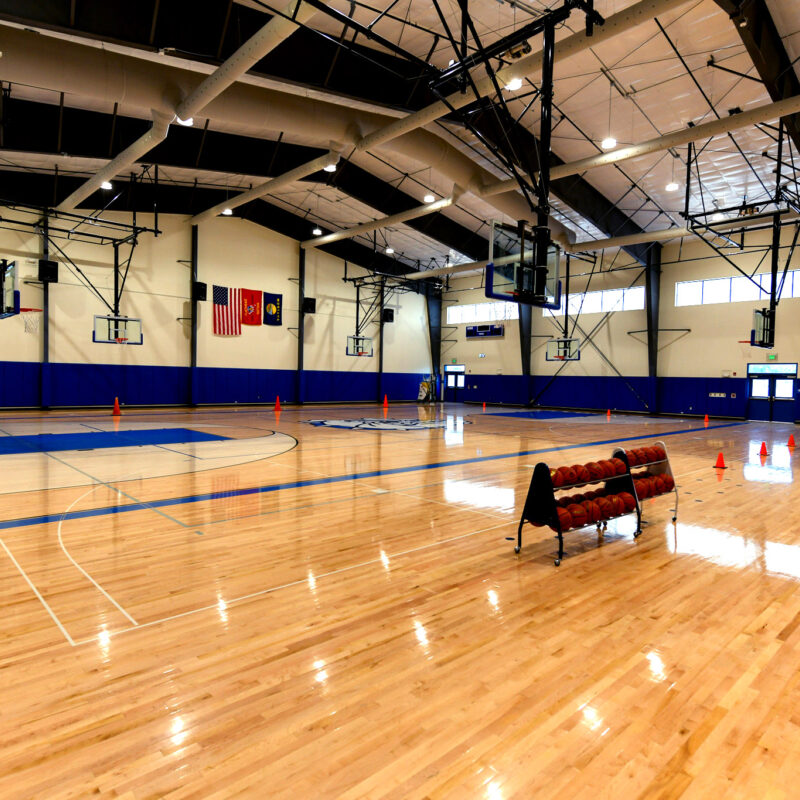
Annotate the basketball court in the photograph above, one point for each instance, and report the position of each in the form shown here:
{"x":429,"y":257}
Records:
{"x":399,"y":401}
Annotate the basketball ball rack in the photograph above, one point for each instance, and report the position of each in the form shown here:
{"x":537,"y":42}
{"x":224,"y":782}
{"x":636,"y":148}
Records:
{"x":541,"y":506}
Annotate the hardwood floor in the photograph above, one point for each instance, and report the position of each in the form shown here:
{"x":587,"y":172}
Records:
{"x":345,"y":618}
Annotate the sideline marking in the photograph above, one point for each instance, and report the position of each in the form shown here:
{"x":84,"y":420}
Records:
{"x":167,"y":502}
{"x":36,"y":592}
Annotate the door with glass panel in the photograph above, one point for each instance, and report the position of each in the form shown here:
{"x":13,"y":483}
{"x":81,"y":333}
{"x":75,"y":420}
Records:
{"x":454,"y":382}
{"x":771,"y":392}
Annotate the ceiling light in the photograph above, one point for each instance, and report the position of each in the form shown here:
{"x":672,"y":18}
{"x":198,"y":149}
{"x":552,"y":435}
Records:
{"x":317,"y":231}
{"x":226,"y":212}
{"x":429,"y":198}
{"x":514,"y":84}
{"x":390,"y":250}
{"x":718,"y":217}
{"x":106,"y":185}
{"x":671,"y":186}
{"x":187,"y":123}
{"x":609,"y":143}
{"x":330,"y":167}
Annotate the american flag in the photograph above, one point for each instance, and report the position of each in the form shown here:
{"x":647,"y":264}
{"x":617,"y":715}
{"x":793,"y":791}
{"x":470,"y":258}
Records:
{"x":227,"y":311}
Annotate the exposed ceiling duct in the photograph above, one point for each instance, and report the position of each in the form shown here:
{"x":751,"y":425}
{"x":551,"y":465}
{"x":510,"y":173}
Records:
{"x":252,"y":51}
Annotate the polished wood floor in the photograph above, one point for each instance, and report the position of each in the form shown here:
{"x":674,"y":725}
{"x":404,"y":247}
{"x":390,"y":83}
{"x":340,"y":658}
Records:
{"x":375,"y":636}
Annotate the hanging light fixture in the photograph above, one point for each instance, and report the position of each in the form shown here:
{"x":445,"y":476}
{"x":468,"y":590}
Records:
{"x":389,"y":250}
{"x":514,"y":84}
{"x":672,"y":186}
{"x":429,"y":198}
{"x":317,"y":231}
{"x":226,"y":212}
{"x":609,"y":143}
{"x":107,"y":185}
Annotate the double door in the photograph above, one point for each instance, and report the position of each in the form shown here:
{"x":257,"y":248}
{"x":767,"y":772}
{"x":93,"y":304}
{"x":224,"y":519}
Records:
{"x":772,"y":397}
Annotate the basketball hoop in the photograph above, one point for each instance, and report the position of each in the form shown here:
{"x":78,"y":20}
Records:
{"x":120,"y":340}
{"x":31,"y":319}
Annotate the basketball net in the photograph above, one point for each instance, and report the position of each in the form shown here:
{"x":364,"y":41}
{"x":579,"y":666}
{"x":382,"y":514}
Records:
{"x":31,"y":319}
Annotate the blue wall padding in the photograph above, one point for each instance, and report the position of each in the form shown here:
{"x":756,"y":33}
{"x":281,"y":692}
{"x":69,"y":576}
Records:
{"x":94,"y":440}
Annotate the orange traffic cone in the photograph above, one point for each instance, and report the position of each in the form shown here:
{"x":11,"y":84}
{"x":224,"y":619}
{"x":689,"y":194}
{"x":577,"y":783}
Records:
{"x":385,"y":412}
{"x":386,"y":401}
{"x":705,"y":420}
{"x":116,"y":412}
{"x":278,"y":403}
{"x":720,"y":462}
{"x":608,"y":414}
{"x":791,"y":440}
{"x":484,"y":408}
{"x":763,"y":450}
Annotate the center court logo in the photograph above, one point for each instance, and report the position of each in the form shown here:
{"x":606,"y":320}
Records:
{"x":372,"y":424}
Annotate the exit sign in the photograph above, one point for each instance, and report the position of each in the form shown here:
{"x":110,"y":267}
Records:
{"x":454,"y":361}
{"x":772,"y":356}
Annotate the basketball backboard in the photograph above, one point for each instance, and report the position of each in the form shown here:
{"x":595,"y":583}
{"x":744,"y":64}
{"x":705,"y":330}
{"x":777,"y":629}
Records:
{"x":9,"y":288}
{"x":563,"y":350}
{"x":117,"y":330}
{"x":359,"y":346}
{"x":512,"y":275}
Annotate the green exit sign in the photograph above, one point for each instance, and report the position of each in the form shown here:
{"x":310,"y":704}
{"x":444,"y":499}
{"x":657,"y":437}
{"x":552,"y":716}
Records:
{"x":454,"y":361}
{"x":772,"y":356}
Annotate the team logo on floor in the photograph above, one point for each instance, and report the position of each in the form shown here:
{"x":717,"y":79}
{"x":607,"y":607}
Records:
{"x":372,"y":424}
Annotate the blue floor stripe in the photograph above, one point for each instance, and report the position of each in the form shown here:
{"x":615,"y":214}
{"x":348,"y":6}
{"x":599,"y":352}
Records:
{"x":277,"y":487}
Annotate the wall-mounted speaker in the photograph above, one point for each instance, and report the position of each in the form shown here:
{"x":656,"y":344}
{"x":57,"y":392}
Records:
{"x":309,"y":305}
{"x":199,"y":291}
{"x":388,"y":315}
{"x":48,"y":271}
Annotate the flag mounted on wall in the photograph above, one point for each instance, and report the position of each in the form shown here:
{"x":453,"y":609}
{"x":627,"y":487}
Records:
{"x":273,"y":309}
{"x":251,"y":306}
{"x":227,"y":311}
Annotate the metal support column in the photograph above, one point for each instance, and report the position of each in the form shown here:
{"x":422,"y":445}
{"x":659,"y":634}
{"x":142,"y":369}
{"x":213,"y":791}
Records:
{"x":525,"y":324}
{"x":193,"y":393}
{"x":44,"y":378}
{"x":381,"y":299}
{"x":433,"y":301}
{"x":301,"y":326}
{"x":652,"y":294}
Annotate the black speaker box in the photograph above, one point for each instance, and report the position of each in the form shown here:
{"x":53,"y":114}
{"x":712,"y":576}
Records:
{"x":309,"y":305}
{"x":48,"y":271}
{"x":199,"y":291}
{"x":388,"y":315}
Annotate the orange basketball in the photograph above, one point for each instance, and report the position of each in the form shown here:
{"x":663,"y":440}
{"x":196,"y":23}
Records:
{"x":617,"y":504}
{"x":628,"y":500}
{"x":660,"y":452}
{"x":642,"y":488}
{"x":641,"y":455}
{"x":606,"y":509}
{"x":590,"y":495}
{"x":632,"y":459}
{"x":567,"y":475}
{"x":579,"y":515}
{"x":581,"y":473}
{"x":658,"y":482}
{"x":562,"y":502}
{"x":556,"y":477}
{"x":608,"y":468}
{"x":619,"y":466}
{"x":564,"y":520}
{"x":593,"y":510}
{"x":669,"y":483}
{"x":595,"y":471}
{"x":652,"y":454}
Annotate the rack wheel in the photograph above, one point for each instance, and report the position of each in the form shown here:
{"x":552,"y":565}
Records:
{"x":637,"y":534}
{"x":557,"y":562}
{"x":674,"y":519}
{"x":516,"y":550}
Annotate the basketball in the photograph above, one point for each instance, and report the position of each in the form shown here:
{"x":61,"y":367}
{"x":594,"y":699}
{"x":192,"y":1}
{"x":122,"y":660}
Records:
{"x":652,"y":454}
{"x":617,"y":504}
{"x":564,"y":520}
{"x":619,"y":466}
{"x":631,"y":456}
{"x":596,"y":472}
{"x":556,"y":477}
{"x":628,"y":499}
{"x":660,"y":452}
{"x":609,"y":470}
{"x":641,"y":488}
{"x":567,"y":475}
{"x":593,"y":510}
{"x":659,"y":484}
{"x":578,"y":514}
{"x":577,"y":498}
{"x":581,"y":473}
{"x":606,"y":509}
{"x":641,"y":455}
{"x":669,"y":483}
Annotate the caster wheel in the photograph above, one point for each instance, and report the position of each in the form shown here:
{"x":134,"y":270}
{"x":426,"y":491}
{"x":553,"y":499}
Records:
{"x":637,"y":534}
{"x":516,"y":549}
{"x":674,"y":519}
{"x":557,"y":562}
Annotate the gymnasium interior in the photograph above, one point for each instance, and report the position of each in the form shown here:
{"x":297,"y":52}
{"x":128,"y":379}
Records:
{"x":363,"y":429}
